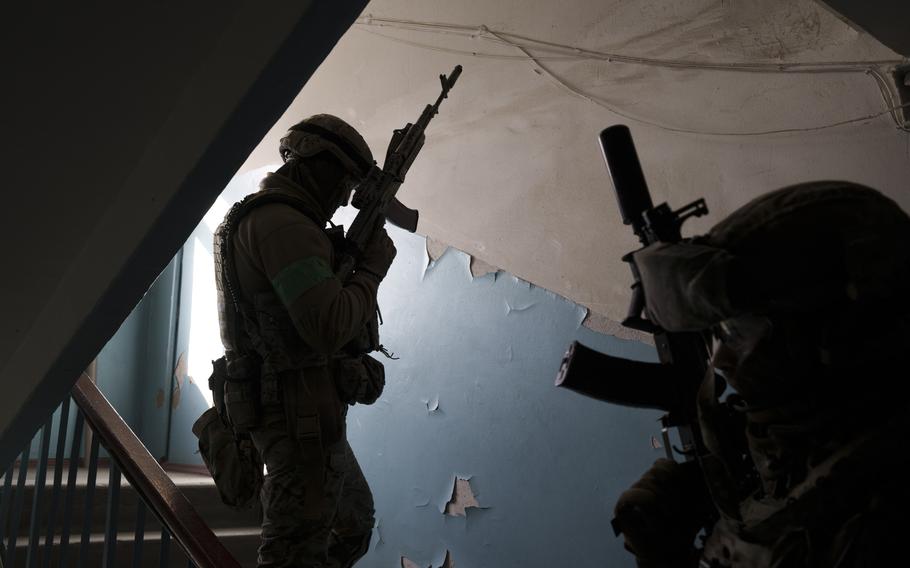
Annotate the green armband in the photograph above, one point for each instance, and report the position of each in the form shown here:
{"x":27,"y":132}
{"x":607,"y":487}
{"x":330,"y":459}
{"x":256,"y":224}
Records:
{"x":295,"y":279}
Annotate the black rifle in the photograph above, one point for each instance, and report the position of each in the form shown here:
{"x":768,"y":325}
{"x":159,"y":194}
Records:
{"x":375,"y":196}
{"x":672,"y":384}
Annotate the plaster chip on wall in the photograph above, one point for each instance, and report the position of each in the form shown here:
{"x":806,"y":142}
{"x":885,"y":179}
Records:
{"x":519,"y":282}
{"x":419,"y":497}
{"x":175,"y":397}
{"x":518,"y":308}
{"x":447,"y":563}
{"x":480,"y":268}
{"x":179,"y":377}
{"x":408,"y":563}
{"x":180,"y":368}
{"x":602,"y":324}
{"x":462,"y":498}
{"x":432,"y":405}
{"x":435,"y":249}
{"x":655,"y":443}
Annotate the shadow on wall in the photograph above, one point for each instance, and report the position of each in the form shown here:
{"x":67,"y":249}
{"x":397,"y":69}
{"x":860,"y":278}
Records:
{"x":472,"y":453}
{"x":135,"y":368}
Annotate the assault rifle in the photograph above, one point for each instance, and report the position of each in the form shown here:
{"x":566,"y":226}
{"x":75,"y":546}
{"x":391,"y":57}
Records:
{"x":375,"y":196}
{"x":672,"y":384}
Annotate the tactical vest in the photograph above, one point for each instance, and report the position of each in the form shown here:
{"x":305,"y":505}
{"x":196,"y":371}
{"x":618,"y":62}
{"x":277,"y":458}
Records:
{"x":258,"y":334}
{"x":260,"y":344}
{"x":809,"y":525}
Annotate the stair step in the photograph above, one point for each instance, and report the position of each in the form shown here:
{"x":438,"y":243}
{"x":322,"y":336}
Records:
{"x":238,"y":530}
{"x":242,"y":544}
{"x":199,"y":489}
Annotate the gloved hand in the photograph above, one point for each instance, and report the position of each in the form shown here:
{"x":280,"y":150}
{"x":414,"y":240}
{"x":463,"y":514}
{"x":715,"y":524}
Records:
{"x":660,"y":515}
{"x":378,"y":256}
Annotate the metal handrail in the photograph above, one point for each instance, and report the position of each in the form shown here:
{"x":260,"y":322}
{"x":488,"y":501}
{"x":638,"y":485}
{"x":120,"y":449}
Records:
{"x":151,"y":482}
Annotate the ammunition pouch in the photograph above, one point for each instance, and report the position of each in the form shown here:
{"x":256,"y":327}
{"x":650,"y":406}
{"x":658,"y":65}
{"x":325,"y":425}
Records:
{"x":216,"y":383}
{"x":279,"y":343}
{"x":224,"y":443}
{"x":235,"y":389}
{"x":241,"y":400}
{"x":366,"y":341}
{"x":359,"y":379}
{"x":231,"y":458}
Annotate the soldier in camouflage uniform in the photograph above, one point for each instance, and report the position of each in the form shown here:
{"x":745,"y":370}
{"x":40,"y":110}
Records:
{"x":805,"y":290}
{"x":300,"y":331}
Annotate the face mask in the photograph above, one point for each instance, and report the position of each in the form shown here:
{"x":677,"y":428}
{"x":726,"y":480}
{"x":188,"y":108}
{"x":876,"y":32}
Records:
{"x":738,"y":342}
{"x":742,"y":333}
{"x":766,"y":359}
{"x":348,"y":184}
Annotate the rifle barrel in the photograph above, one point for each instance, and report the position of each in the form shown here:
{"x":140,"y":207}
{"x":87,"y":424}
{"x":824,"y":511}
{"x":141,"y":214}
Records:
{"x":447,"y":84}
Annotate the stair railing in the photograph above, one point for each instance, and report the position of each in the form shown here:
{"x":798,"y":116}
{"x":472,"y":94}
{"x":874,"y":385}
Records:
{"x":129,"y":458}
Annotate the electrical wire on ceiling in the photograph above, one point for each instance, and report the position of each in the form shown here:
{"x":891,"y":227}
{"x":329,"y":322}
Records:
{"x":552,"y":51}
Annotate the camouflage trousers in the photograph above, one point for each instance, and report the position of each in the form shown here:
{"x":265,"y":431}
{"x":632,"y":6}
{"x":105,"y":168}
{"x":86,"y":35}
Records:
{"x":321,"y":519}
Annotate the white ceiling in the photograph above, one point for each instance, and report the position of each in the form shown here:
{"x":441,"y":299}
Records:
{"x":512,"y":173}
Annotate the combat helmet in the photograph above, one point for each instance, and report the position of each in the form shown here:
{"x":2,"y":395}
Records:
{"x":795,"y":250}
{"x":328,"y":133}
{"x":805,"y":287}
{"x":826,"y":267}
{"x":813,"y":244}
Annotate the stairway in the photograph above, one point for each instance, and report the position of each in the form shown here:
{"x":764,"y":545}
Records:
{"x":238,"y":531}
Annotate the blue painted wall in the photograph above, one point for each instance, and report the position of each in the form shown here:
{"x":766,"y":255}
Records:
{"x":472,"y":396}
{"x":135,"y":368}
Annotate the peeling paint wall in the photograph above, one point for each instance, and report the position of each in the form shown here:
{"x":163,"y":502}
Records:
{"x":462,"y":499}
{"x":471,"y":452}
{"x":511,"y":172}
